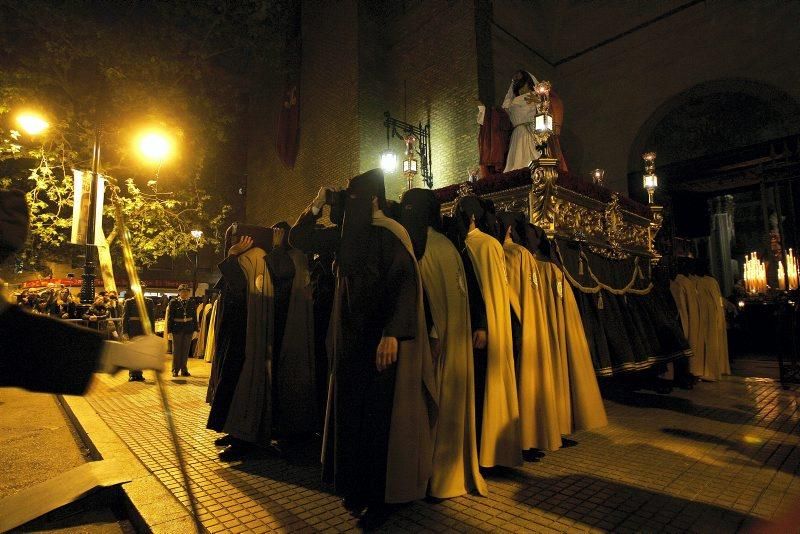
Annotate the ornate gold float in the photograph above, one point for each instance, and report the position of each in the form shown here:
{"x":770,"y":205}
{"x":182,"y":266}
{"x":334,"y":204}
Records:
{"x":606,"y":228}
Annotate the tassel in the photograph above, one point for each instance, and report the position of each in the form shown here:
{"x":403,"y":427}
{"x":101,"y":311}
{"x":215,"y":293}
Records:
{"x":600,"y":302}
{"x":580,"y":266}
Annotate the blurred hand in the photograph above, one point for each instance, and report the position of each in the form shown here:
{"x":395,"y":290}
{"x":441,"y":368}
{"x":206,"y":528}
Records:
{"x":386,"y":354}
{"x":144,"y":352}
{"x":244,"y":244}
{"x":319,"y":200}
{"x":479,"y":339}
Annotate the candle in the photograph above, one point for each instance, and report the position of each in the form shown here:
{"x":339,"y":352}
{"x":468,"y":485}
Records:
{"x":781,"y":276}
{"x":792,"y":269}
{"x":755,"y":275}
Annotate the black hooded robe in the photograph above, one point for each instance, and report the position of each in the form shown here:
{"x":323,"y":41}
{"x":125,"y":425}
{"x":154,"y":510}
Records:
{"x":378,"y":299}
{"x":229,"y":353}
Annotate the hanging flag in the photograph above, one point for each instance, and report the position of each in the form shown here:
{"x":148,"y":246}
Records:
{"x":287,"y":141}
{"x":82,"y":188}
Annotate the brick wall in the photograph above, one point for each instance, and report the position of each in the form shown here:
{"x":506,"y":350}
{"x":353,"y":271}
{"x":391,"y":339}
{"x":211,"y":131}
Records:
{"x":419,"y":60}
{"x":361,"y":58}
{"x":329,"y":137}
{"x":431,"y":74}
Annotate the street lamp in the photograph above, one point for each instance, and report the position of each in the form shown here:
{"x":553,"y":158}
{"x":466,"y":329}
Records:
{"x":196,"y":234}
{"x":32,"y":123}
{"x":154,"y":146}
{"x":420,"y":137}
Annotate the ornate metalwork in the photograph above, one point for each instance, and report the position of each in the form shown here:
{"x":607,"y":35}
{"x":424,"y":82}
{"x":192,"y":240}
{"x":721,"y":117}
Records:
{"x":464,"y":190}
{"x":605,"y":228}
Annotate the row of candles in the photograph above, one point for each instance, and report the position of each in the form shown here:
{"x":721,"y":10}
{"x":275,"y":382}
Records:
{"x":755,"y":274}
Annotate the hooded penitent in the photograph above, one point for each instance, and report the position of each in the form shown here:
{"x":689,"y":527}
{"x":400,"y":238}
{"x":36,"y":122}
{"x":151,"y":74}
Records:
{"x":241,"y":375}
{"x":455,"y":461}
{"x":536,"y":385}
{"x":499,"y":432}
{"x":378,"y":439}
{"x":14,"y":221}
{"x":358,"y":218}
{"x":577,"y":394}
{"x":420,"y":210}
{"x":293,"y":367}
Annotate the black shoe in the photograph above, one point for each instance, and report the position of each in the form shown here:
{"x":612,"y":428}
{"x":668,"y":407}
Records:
{"x":375,"y":516}
{"x":174,"y":373}
{"x":567,"y":442}
{"x":532,"y":455}
{"x":135,"y":378}
{"x":236,"y":451}
{"x":354,"y":505}
{"x":224,"y":441}
{"x":185,"y":372}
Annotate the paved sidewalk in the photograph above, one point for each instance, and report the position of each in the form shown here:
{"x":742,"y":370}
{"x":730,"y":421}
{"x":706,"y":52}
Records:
{"x":717,"y":459}
{"x":36,"y":444}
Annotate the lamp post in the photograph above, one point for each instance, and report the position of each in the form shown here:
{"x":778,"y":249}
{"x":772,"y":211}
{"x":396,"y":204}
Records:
{"x":418,"y":134}
{"x":649,"y":179}
{"x":650,"y":184}
{"x":196,"y":234}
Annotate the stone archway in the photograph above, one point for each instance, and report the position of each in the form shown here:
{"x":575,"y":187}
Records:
{"x":713,"y":117}
{"x":698,"y":134}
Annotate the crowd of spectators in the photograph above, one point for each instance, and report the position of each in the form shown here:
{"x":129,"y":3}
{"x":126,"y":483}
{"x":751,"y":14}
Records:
{"x":101,"y":315}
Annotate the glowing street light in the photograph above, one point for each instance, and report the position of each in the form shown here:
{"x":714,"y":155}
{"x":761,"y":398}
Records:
{"x":32,"y":124}
{"x":155,"y":146}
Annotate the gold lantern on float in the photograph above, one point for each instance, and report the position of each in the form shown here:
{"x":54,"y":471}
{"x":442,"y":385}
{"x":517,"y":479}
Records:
{"x":598,"y":176}
{"x":649,"y":180}
{"x":543,"y":122}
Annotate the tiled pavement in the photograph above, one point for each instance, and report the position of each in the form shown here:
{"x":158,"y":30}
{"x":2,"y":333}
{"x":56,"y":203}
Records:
{"x":719,"y":458}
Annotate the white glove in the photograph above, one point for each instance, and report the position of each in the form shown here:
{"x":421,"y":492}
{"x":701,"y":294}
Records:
{"x":144,"y":352}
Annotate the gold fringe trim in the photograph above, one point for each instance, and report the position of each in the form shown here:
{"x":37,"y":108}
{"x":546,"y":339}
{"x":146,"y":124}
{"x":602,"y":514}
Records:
{"x":600,"y":285}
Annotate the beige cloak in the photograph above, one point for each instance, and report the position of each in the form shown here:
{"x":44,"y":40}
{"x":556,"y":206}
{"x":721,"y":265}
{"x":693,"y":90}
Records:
{"x":413,"y":427}
{"x":250,"y":414}
{"x":538,"y":404}
{"x":713,"y":329}
{"x":455,"y":458}
{"x":687,"y":299}
{"x":211,"y":336}
{"x":580,"y":406}
{"x":500,"y":433}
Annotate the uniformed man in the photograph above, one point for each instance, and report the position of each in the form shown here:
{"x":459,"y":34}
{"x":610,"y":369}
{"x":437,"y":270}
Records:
{"x":132,"y":326}
{"x":182,"y":325}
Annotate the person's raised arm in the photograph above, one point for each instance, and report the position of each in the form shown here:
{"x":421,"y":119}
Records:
{"x":307,"y":236}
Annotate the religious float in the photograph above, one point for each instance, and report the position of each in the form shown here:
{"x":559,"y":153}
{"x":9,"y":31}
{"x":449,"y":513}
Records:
{"x":605,"y":244}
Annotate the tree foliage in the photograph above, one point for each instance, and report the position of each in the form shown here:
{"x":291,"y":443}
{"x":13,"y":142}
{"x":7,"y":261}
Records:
{"x":123,"y":66}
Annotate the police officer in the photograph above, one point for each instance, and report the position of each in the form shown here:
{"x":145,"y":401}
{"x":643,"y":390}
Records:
{"x":132,"y":326}
{"x":182,"y":325}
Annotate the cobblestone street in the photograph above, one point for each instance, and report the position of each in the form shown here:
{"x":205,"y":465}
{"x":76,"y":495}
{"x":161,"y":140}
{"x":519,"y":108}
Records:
{"x":716,"y":459}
